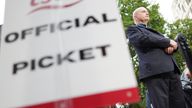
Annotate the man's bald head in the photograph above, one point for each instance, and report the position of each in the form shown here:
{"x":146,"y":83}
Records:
{"x":141,"y":15}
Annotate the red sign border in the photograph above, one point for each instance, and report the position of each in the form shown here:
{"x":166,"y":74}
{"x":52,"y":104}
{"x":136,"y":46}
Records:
{"x":129,"y":95}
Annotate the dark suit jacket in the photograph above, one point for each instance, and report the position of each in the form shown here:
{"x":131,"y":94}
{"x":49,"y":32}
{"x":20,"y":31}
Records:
{"x":150,"y":45}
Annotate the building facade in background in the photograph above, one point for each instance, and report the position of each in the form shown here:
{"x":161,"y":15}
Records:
{"x":182,"y":9}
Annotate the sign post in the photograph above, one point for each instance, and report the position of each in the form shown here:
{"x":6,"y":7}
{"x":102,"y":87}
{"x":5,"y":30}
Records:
{"x":64,"y":54}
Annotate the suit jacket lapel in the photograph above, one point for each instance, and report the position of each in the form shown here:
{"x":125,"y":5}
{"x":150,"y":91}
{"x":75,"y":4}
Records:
{"x":143,"y":26}
{"x":154,"y":31}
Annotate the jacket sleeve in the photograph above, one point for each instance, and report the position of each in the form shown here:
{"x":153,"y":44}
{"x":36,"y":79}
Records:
{"x":139,"y":39}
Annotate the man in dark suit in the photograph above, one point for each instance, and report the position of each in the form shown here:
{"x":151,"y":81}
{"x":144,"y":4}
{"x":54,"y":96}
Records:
{"x":158,"y":69}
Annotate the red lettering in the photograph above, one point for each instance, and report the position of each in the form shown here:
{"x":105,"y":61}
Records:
{"x":39,"y":2}
{"x":45,"y":1}
{"x":34,"y":3}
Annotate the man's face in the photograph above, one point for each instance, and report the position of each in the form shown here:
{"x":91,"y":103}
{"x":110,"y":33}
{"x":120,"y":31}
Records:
{"x":142,"y":15}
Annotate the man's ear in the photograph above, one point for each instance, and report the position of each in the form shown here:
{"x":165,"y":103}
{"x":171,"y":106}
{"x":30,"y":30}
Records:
{"x":136,"y":18}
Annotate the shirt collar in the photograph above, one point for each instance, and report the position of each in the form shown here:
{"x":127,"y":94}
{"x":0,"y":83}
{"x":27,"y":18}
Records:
{"x":142,"y":25}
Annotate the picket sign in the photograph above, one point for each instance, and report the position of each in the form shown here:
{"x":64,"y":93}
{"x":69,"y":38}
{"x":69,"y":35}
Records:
{"x":64,"y":54}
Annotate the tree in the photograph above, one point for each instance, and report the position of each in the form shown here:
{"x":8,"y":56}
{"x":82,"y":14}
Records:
{"x":157,"y":22}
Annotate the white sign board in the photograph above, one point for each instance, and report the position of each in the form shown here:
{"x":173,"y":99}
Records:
{"x":64,"y":54}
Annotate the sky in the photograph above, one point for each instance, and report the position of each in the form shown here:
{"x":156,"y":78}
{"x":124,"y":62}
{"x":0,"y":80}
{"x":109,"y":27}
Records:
{"x":165,"y":9}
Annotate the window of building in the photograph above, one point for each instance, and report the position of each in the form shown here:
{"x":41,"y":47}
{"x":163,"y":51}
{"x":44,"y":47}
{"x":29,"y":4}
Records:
{"x":188,"y":1}
{"x":191,"y":10}
{"x":179,"y":6}
{"x":183,"y":9}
